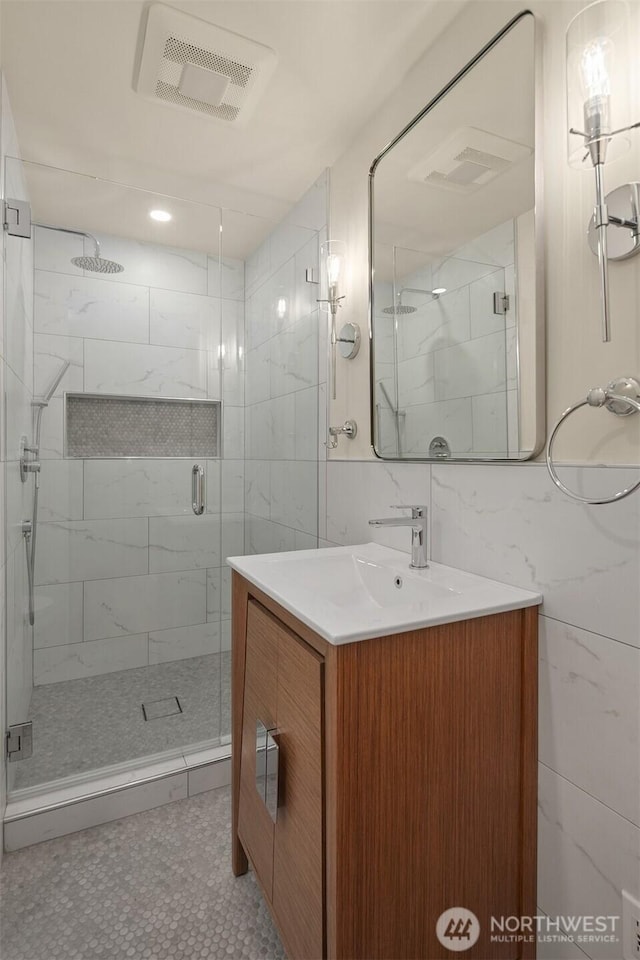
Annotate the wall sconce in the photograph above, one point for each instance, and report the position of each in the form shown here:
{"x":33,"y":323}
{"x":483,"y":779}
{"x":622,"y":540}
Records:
{"x":333,"y":254}
{"x":598,"y":97}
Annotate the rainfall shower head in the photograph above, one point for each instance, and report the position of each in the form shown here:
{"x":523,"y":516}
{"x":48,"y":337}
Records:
{"x":400,"y":309}
{"x":96,"y":263}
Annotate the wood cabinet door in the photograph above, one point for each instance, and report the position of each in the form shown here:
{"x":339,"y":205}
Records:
{"x":255,"y":827}
{"x":298,"y":870}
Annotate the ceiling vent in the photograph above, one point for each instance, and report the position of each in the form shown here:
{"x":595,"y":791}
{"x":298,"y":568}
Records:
{"x":468,"y":160}
{"x":197,"y":66}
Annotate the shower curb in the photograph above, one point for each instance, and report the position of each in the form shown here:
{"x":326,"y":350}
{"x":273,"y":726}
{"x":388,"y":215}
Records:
{"x":61,"y":812}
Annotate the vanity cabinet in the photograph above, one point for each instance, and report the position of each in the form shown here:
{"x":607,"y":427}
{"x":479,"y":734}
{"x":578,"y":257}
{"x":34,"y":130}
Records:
{"x":406,"y":779}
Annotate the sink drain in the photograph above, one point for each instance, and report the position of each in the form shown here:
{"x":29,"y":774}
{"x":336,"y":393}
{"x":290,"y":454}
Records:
{"x":398,"y":582}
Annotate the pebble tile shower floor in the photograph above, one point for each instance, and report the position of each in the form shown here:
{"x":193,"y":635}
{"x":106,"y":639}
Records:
{"x":81,"y":725}
{"x":155,"y":886}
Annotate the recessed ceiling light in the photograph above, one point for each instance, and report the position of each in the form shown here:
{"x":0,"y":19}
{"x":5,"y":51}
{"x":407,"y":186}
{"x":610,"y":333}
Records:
{"x":439,"y":290}
{"x":161,"y":215}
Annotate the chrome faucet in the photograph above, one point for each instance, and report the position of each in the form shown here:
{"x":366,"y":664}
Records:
{"x":418,"y":523}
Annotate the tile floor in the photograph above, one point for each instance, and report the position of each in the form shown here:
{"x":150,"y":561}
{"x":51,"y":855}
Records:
{"x":82,"y":725}
{"x":155,"y":886}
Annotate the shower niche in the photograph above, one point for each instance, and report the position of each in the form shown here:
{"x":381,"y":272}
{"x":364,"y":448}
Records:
{"x":99,"y":426}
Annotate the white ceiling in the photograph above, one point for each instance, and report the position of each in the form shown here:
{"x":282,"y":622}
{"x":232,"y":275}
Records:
{"x":69,"y":67}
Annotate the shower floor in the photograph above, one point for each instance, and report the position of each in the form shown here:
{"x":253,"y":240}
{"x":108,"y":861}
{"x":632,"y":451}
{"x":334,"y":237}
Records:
{"x":87,"y":724}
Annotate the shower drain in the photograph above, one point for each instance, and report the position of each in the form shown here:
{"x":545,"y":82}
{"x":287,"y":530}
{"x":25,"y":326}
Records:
{"x":155,"y":709}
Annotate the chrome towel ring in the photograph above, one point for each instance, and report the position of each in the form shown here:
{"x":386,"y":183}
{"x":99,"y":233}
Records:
{"x":620,"y":396}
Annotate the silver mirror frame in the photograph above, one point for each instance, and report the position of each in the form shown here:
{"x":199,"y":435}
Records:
{"x":539,"y":402}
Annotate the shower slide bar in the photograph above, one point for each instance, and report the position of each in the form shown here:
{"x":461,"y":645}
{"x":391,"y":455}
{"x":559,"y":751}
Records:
{"x":29,"y":463}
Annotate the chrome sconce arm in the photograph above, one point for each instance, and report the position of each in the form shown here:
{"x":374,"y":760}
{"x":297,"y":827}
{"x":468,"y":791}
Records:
{"x":599,"y":64}
{"x":626,"y":199}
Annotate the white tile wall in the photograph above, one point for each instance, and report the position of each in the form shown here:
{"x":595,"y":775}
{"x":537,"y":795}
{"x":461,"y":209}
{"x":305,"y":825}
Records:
{"x":50,"y":352}
{"x":184,"y":543}
{"x":152,"y":265}
{"x":90,"y":307}
{"x":72,"y":661}
{"x":510,"y":523}
{"x":172,"y":324}
{"x":61,"y":490}
{"x":145,"y":488}
{"x":589,"y":725}
{"x":285,"y":365}
{"x":587,"y":854}
{"x":144,"y":370}
{"x":91,"y":550}
{"x":130,"y":605}
{"x":184,"y":320}
{"x":196,"y":641}
{"x":58,"y":615}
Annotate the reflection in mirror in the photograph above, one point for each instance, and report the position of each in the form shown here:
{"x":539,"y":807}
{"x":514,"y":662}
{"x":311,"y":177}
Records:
{"x":456,"y":359}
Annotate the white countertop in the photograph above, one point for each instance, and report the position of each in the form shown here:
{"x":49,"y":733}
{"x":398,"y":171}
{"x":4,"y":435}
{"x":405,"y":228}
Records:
{"x":358,"y":592}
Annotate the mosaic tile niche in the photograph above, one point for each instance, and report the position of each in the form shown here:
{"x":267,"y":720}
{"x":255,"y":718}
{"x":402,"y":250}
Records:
{"x":102,"y":426}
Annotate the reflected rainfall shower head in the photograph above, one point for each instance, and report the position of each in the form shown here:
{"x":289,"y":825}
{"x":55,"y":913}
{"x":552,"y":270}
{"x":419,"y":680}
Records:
{"x":400,"y":309}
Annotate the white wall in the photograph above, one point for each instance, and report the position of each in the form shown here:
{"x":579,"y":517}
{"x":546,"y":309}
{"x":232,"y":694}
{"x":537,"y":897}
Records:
{"x":126,"y":575}
{"x":576,"y":357}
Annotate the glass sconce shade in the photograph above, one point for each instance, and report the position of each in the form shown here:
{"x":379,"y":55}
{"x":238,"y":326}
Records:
{"x":598,"y":82}
{"x":333,"y":257}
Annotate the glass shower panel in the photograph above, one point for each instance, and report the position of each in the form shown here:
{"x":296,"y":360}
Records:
{"x":124,"y":660}
{"x":270,"y":478}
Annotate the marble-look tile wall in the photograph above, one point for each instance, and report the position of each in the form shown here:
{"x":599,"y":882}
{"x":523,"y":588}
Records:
{"x":285,"y":382}
{"x":16,"y":385}
{"x":126,"y":574}
{"x":511,"y":524}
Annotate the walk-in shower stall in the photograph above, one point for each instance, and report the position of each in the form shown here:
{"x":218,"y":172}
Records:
{"x":163,"y":386}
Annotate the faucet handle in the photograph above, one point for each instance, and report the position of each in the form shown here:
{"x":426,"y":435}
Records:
{"x":418,"y":511}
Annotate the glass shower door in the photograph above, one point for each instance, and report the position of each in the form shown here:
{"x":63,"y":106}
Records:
{"x":123,"y":662}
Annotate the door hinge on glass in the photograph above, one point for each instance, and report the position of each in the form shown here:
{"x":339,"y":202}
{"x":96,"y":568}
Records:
{"x":17,"y":218}
{"x":20,"y":741}
{"x":500,"y":303}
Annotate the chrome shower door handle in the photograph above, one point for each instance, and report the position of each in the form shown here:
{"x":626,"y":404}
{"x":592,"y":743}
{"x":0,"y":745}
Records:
{"x":197,"y":489}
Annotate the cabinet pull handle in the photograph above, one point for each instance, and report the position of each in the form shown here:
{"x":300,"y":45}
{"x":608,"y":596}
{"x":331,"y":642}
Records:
{"x":197,"y":489}
{"x":267,"y":768}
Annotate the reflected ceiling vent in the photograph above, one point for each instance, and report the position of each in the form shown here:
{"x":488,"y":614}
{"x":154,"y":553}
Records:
{"x":197,"y":66}
{"x":468,"y":160}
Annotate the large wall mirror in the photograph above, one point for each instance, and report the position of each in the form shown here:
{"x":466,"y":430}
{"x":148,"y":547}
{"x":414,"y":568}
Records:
{"x":456,"y":305}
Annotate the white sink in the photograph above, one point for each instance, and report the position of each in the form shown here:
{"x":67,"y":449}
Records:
{"x":354,"y":593}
